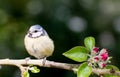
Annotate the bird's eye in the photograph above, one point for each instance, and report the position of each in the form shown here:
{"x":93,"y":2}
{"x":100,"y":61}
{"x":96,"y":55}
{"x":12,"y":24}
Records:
{"x":35,"y":31}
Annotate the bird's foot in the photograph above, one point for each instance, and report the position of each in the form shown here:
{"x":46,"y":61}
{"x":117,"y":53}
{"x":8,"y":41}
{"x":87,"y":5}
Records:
{"x":27,"y":59}
{"x":44,"y":60}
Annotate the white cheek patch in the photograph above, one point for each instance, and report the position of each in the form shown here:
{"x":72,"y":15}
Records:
{"x":36,"y":34}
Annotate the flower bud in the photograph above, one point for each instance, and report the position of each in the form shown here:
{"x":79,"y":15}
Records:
{"x":102,"y":65}
{"x":95,"y":49}
{"x":103,"y":54}
{"x":96,"y":59}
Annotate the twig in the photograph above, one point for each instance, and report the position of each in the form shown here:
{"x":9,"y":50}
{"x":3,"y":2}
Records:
{"x":105,"y":71}
{"x":22,"y":63}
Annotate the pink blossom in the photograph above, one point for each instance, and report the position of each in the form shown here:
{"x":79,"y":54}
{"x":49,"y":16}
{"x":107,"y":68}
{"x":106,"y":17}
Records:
{"x":96,"y":58}
{"x":102,"y":65}
{"x":104,"y":54}
{"x":95,"y":49}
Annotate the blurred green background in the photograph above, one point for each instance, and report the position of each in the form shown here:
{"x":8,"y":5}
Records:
{"x":67,"y":22}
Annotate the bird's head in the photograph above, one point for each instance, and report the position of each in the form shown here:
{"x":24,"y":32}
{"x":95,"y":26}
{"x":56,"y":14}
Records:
{"x":36,"y":31}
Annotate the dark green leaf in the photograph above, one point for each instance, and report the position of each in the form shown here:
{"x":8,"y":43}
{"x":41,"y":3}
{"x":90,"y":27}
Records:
{"x":84,"y":70}
{"x":77,"y":53}
{"x":89,"y":42}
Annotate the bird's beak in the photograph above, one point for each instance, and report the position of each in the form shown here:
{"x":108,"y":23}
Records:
{"x":29,"y":34}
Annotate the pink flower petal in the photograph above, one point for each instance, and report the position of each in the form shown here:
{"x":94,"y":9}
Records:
{"x":104,"y":54}
{"x":95,"y":49}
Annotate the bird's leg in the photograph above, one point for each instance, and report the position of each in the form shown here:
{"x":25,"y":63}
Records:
{"x":44,"y":60}
{"x":27,"y":59}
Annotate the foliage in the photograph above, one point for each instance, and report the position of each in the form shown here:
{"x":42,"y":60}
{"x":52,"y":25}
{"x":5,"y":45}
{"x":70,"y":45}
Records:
{"x":31,"y":68}
{"x":89,"y":43}
{"x":90,"y":56}
{"x":84,"y":70}
{"x":77,"y":53}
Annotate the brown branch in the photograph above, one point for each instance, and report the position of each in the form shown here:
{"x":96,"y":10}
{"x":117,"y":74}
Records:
{"x":105,"y":71}
{"x":51,"y":64}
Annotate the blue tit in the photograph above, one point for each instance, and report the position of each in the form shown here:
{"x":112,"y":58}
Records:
{"x":38,"y":43}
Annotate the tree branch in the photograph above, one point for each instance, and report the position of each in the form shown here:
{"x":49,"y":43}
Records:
{"x":22,"y":63}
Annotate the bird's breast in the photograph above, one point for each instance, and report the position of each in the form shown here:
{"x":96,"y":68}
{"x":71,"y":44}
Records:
{"x":39,"y":47}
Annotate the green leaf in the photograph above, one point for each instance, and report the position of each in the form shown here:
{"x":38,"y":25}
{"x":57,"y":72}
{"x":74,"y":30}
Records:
{"x":111,"y":67}
{"x":84,"y":70}
{"x":77,"y":53}
{"x":89,"y":42}
{"x":26,"y":74}
{"x":34,"y":69}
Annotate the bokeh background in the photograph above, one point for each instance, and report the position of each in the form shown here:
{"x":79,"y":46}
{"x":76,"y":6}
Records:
{"x":67,"y":22}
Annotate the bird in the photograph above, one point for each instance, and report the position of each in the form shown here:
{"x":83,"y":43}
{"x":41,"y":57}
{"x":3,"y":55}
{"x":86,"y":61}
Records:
{"x":38,"y":43}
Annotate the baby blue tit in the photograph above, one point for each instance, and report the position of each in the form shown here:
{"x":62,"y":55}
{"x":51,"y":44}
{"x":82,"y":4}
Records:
{"x":38,"y":43}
